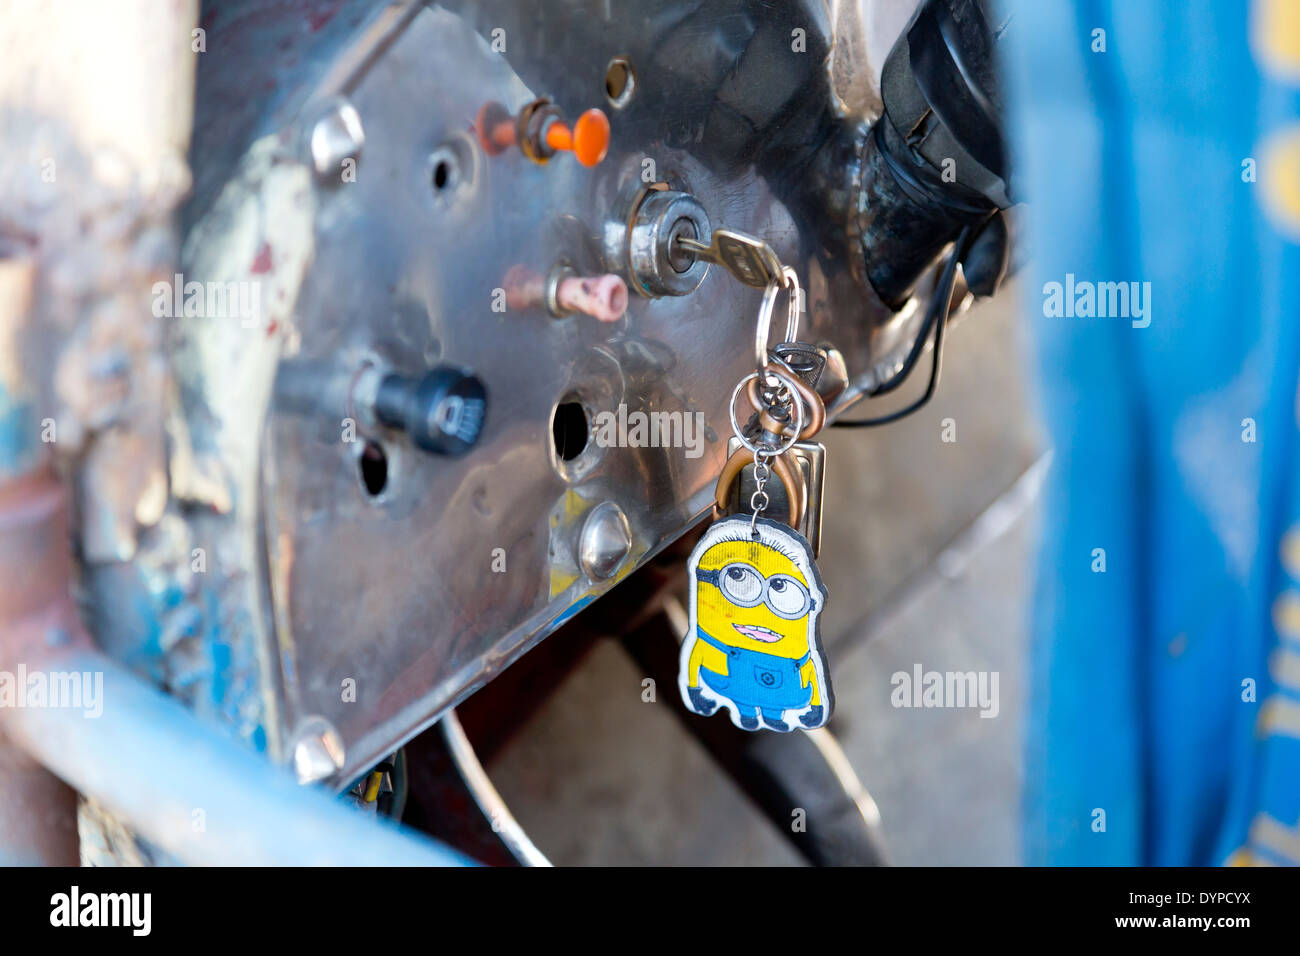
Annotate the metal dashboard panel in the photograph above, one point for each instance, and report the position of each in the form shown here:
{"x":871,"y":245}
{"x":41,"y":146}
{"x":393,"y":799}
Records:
{"x":423,"y":592}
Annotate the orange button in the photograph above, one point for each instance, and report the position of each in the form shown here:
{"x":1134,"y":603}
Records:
{"x":589,"y":138}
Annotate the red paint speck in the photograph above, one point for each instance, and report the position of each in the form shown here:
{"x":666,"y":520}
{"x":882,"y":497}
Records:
{"x":262,"y":262}
{"x":318,"y":18}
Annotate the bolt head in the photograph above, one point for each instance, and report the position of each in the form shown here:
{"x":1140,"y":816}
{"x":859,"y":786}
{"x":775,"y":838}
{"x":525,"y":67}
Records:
{"x":336,"y":136}
{"x":605,"y":541}
{"x":317,"y":750}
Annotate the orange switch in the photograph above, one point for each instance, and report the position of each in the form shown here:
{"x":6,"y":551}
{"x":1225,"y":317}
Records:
{"x":589,"y":138}
{"x":540,"y":131}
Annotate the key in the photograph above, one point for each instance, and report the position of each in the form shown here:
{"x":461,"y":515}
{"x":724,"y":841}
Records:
{"x":750,"y":260}
{"x":822,"y":369}
{"x":805,"y":360}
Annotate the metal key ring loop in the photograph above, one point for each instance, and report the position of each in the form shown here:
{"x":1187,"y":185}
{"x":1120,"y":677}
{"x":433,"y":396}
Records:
{"x":812,"y":402}
{"x":766,"y":309}
{"x":784,"y":468}
{"x":792,"y":304}
{"x":796,"y":405}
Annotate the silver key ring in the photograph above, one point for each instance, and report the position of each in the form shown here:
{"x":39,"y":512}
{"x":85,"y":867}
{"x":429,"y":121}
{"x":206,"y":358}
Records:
{"x":795,"y":404}
{"x":766,"y":309}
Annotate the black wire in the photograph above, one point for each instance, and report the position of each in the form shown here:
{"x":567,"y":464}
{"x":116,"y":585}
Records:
{"x":936,"y":317}
{"x":401,"y":785}
{"x":916,"y":190}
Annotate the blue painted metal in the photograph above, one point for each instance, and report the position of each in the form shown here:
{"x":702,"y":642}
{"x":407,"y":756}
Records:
{"x":201,"y":796}
{"x":19,"y":448}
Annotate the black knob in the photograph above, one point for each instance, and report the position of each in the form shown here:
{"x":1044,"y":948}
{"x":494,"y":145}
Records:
{"x":443,"y":411}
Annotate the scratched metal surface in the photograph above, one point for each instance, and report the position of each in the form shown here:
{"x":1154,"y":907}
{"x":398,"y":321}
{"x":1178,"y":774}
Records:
{"x":397,"y":592}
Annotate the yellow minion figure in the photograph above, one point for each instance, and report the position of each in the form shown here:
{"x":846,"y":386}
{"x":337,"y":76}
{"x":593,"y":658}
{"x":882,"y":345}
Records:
{"x":753,"y":645}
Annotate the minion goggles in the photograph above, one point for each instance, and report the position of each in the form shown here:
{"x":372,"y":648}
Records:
{"x":742,"y":585}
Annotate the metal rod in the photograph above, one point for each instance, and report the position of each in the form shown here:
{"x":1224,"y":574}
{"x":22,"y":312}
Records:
{"x":485,"y":795}
{"x":205,"y":798}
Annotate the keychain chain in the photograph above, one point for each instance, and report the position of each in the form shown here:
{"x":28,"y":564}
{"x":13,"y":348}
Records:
{"x":760,"y":499}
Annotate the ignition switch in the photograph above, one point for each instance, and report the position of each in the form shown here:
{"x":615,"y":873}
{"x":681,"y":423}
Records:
{"x":658,"y":263}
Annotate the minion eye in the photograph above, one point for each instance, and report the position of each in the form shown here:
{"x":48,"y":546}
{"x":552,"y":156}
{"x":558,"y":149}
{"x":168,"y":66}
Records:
{"x":742,"y":585}
{"x":787,"y":597}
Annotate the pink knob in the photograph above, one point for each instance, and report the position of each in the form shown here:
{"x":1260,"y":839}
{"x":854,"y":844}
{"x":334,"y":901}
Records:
{"x":604,"y":298}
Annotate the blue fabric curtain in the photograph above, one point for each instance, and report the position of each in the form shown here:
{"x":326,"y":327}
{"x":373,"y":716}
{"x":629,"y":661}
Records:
{"x":1158,"y":141}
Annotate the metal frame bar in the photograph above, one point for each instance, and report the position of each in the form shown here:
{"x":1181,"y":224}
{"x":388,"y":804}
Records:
{"x":205,"y":798}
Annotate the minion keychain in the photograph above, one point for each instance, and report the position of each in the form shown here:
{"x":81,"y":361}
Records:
{"x":756,"y":595}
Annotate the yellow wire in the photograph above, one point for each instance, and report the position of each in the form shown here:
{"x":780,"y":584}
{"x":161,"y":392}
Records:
{"x":372,"y":786}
